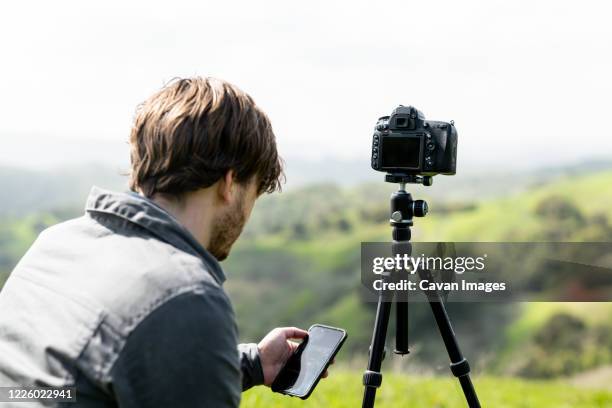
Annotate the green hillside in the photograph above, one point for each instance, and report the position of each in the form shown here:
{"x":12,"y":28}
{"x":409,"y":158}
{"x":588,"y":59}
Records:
{"x":297,"y":263}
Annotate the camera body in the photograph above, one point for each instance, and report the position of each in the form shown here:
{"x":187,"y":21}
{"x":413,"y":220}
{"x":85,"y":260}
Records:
{"x":407,"y":144}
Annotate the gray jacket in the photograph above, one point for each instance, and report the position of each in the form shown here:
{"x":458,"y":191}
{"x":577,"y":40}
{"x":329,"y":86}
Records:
{"x":123,"y":304}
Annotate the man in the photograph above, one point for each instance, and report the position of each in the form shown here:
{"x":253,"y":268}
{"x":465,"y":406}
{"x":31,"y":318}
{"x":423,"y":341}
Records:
{"x":126,"y":302}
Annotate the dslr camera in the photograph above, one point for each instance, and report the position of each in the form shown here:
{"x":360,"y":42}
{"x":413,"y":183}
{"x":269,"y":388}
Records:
{"x":405,"y":144}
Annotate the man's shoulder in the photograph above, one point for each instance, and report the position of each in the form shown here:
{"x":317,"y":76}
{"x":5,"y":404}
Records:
{"x":120,"y":265}
{"x":121,"y":240}
{"x":125,"y":274}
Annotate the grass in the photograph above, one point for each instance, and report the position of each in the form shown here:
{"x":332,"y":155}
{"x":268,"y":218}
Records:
{"x":344,"y":389}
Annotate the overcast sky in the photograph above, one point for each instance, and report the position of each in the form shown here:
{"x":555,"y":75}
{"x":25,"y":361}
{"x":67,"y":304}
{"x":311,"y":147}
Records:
{"x":526,"y":82}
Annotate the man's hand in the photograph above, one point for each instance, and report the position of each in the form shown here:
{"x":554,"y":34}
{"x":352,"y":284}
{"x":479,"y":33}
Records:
{"x":276,"y":348}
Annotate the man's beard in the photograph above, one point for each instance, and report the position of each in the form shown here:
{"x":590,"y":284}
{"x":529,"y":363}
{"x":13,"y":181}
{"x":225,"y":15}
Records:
{"x":226,"y":230}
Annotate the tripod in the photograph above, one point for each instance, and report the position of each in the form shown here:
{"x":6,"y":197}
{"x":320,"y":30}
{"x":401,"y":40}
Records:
{"x":403,"y":209}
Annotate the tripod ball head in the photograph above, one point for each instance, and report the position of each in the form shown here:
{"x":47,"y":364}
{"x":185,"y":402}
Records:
{"x":404,"y":208}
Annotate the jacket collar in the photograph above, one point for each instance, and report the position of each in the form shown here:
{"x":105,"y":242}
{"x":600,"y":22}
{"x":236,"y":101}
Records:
{"x":140,"y":210}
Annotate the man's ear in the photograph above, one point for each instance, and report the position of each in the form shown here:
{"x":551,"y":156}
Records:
{"x":226,"y":186}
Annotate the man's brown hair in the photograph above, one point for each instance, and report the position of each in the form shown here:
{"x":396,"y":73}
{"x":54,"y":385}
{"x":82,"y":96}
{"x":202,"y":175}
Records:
{"x":193,"y":131}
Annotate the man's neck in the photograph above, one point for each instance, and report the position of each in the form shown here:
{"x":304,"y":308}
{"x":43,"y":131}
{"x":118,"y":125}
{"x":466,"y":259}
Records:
{"x":191,"y":212}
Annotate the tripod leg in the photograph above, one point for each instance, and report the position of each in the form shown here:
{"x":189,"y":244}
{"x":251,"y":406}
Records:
{"x":459,"y":365}
{"x":401,"y":325}
{"x":372,"y":378}
{"x":401,"y":319}
{"x":401,"y":248}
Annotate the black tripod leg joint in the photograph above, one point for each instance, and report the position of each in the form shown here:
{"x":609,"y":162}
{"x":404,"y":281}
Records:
{"x":372,"y":379}
{"x":460,"y":368}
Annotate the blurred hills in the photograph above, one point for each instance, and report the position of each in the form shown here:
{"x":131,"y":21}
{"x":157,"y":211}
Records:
{"x":297,"y":261}
{"x":23,"y":191}
{"x":299,"y":256}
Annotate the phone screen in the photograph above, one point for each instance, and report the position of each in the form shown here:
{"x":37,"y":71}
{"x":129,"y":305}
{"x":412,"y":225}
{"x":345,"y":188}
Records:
{"x":306,"y":365}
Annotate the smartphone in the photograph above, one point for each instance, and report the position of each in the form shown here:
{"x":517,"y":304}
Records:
{"x":303,"y":370}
